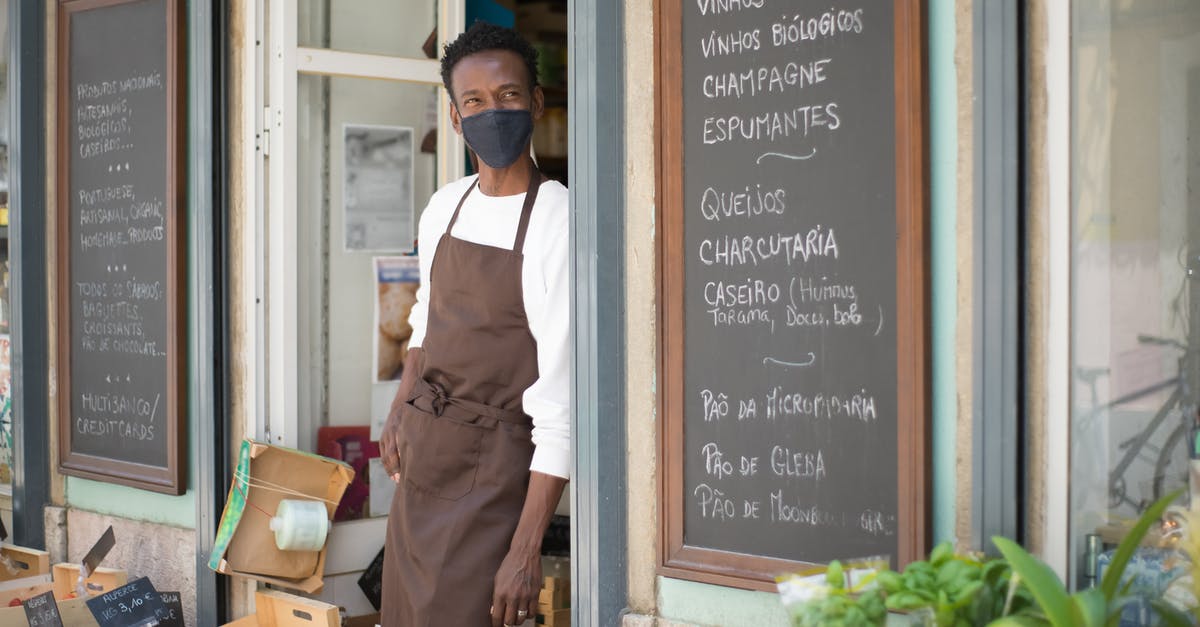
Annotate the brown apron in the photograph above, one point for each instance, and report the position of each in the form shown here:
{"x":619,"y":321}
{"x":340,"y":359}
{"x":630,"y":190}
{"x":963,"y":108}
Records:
{"x":464,"y":438}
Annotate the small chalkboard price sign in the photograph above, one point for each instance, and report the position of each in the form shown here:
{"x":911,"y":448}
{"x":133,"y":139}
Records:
{"x":120,"y":243}
{"x":42,"y":611}
{"x":171,"y":613}
{"x":135,"y":604}
{"x":371,"y":581}
{"x":792,"y":295}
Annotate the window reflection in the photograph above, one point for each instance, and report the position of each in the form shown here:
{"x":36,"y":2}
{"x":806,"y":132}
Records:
{"x":1135,"y":256}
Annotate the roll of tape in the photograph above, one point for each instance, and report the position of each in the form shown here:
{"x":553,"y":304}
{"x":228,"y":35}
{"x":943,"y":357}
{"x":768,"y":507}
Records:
{"x":300,"y":525}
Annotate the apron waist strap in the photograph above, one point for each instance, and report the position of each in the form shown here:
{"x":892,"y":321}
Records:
{"x":432,"y":398}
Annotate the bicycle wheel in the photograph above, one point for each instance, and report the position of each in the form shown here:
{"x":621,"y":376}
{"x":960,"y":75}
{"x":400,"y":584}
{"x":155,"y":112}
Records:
{"x":1171,"y":468}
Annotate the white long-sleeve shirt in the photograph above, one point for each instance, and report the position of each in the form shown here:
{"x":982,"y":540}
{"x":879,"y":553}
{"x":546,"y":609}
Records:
{"x":545,"y":283}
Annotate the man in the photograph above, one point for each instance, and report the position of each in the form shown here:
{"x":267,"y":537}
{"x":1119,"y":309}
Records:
{"x":478,"y":439}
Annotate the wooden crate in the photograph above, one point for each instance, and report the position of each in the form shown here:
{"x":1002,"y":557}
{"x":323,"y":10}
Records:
{"x":280,"y":609}
{"x":99,"y":582}
{"x":74,"y":613}
{"x":370,"y":620}
{"x":24,"y":588}
{"x":555,"y":598}
{"x":28,"y":562}
{"x":557,"y":618}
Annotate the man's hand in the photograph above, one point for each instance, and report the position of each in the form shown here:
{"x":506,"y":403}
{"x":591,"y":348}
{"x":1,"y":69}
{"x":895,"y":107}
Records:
{"x":518,"y":583}
{"x":389,"y":441}
{"x":519,"y":580}
{"x":389,"y":450}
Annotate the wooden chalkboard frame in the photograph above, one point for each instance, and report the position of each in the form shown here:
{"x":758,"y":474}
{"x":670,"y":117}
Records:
{"x":170,"y":479}
{"x":758,"y":572}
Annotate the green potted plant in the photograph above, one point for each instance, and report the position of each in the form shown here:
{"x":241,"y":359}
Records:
{"x":1093,"y":607}
{"x":959,"y":590}
{"x":947,"y":590}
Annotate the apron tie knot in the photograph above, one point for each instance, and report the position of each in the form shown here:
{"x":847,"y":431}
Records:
{"x":439,"y":400}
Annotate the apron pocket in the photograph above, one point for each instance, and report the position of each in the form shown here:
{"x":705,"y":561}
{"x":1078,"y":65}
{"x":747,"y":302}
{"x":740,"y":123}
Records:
{"x":505,"y":459}
{"x":440,"y":455}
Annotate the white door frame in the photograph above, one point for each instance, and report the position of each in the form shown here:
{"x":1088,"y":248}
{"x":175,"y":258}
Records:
{"x":1057,"y":434}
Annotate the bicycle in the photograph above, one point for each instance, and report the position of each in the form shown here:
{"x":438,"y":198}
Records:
{"x":1170,"y":460}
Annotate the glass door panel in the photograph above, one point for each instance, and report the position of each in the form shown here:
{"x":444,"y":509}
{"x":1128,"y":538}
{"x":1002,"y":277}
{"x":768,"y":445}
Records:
{"x":398,"y":28}
{"x":1135,"y":258}
{"x":366,"y":166}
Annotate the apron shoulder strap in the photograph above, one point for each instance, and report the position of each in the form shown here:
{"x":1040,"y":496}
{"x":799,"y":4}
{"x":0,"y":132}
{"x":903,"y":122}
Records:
{"x":454,"y":218}
{"x":535,"y":182}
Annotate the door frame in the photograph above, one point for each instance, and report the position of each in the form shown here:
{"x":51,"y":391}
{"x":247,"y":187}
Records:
{"x":596,"y":108}
{"x":207,"y":297}
{"x":997,"y":452}
{"x":29,"y":328}
{"x":1056,"y":154}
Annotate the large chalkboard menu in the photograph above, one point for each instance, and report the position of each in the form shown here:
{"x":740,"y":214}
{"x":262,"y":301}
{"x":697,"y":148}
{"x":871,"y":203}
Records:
{"x":120,"y":228}
{"x":793,"y":327}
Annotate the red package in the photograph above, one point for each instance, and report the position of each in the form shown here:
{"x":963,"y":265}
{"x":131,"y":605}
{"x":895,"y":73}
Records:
{"x":354,"y":446}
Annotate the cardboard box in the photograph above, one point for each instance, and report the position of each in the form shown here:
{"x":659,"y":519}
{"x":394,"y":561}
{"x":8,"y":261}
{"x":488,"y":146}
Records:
{"x":265,"y":475}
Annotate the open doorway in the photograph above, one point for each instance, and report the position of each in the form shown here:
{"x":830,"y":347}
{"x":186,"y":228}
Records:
{"x":359,"y":140}
{"x":544,"y":24}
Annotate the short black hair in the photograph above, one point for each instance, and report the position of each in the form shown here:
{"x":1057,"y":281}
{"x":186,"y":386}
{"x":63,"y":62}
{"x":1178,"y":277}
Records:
{"x":483,"y":36}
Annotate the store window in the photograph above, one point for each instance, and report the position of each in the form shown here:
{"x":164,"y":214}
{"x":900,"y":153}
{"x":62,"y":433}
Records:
{"x":1135,"y":260}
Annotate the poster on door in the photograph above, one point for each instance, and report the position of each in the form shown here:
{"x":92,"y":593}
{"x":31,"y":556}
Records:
{"x":377,"y":190}
{"x":396,"y":281}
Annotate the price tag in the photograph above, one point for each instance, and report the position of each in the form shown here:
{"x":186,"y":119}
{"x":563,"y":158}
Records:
{"x":371,"y":581}
{"x":135,"y":604}
{"x":171,"y":614}
{"x":42,"y":611}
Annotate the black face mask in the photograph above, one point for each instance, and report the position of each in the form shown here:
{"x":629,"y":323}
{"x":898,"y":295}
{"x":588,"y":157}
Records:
{"x":498,"y":136}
